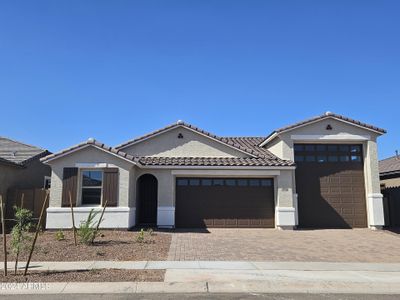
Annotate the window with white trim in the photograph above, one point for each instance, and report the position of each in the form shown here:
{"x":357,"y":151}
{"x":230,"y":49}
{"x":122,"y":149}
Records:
{"x":91,"y":187}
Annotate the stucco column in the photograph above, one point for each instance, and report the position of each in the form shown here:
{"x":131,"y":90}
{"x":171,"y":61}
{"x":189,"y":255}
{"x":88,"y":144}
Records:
{"x":372,"y":186}
{"x":166,"y":196}
{"x":285,"y":210}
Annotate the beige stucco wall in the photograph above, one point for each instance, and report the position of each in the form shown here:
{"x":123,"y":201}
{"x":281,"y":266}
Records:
{"x":166,"y":185}
{"x":285,"y":189}
{"x":191,"y":145}
{"x":91,"y":155}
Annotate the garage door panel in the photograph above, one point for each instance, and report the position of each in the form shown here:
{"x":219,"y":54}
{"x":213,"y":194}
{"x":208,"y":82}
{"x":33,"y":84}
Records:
{"x":330,"y":195}
{"x":223,"y":203}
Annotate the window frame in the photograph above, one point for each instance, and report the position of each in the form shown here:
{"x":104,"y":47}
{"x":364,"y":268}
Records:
{"x":81,"y":187}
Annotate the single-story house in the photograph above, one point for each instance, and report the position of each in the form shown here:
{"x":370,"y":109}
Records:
{"x":319,"y":173}
{"x":21,"y":168}
{"x":389,"y":171}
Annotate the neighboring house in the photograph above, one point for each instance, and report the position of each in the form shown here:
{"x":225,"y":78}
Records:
{"x":389,"y":170}
{"x":20,"y":166}
{"x":319,"y":173}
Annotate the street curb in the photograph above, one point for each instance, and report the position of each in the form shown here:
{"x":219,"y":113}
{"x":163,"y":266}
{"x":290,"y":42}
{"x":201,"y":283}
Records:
{"x":264,"y":287}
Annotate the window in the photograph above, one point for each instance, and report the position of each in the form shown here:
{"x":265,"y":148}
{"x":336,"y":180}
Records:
{"x":309,"y":148}
{"x":242,"y":182}
{"x":344,"y":158}
{"x":266,"y":182}
{"x":254,"y":182}
{"x":310,"y":158}
{"x":321,"y":158}
{"x":355,"y":149}
{"x":218,"y":182}
{"x":332,"y":158}
{"x":298,"y":148}
{"x":230,"y":182}
{"x":92,"y":182}
{"x":182,"y":182}
{"x":298,"y":158}
{"x":194,"y":182}
{"x":206,"y":182}
{"x":332,"y":148}
{"x":321,"y":148}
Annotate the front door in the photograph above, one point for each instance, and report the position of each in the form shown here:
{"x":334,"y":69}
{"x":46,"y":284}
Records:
{"x":147,"y":200}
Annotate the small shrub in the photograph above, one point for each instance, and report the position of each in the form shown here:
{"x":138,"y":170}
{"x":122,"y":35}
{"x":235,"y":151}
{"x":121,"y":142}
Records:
{"x":60,"y":235}
{"x":140,"y":236}
{"x":87,"y":231}
{"x":150,"y":232}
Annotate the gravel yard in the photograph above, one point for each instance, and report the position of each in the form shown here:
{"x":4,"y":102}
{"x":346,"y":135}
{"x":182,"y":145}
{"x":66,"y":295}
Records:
{"x":110,"y":245}
{"x":110,"y":275}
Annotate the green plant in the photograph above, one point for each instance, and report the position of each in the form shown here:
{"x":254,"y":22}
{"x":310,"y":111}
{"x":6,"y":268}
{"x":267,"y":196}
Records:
{"x":20,"y":232}
{"x":88,"y":229}
{"x":140,"y":236}
{"x":60,"y":235}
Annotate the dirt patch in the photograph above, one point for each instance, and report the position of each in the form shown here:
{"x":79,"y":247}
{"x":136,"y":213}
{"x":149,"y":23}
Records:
{"x":110,"y":245}
{"x":103,"y":275}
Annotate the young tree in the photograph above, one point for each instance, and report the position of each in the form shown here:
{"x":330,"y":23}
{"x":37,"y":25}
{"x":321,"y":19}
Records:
{"x":20,"y":232}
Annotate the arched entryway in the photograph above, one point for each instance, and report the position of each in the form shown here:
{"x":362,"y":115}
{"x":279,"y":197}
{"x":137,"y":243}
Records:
{"x":147,"y":187}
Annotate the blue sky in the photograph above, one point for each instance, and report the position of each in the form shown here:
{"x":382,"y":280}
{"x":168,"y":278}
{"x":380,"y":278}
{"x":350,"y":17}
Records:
{"x":114,"y":70}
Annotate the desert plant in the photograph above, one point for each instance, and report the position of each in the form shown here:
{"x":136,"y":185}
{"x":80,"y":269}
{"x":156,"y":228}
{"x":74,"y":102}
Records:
{"x":20,"y":232}
{"x":88,"y":229}
{"x":140,"y":236}
{"x":60,"y":235}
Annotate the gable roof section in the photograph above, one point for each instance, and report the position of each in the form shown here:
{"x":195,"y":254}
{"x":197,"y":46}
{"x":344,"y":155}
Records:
{"x":324,"y":116}
{"x":271,"y":160}
{"x":89,"y":143}
{"x":389,"y":166}
{"x":18,"y":153}
{"x":226,"y":142}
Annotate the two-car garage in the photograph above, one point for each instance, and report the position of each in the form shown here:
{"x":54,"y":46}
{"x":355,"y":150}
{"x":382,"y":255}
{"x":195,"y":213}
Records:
{"x":329,"y":182}
{"x":224,"y":202}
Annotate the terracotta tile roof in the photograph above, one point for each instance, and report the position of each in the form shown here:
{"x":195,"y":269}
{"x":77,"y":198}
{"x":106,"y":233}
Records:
{"x":389,"y":165}
{"x":19,"y":153}
{"x":262,"y":160}
{"x":228,"y":142}
{"x":324,"y":116}
{"x":212,"y":161}
{"x":94,"y":143}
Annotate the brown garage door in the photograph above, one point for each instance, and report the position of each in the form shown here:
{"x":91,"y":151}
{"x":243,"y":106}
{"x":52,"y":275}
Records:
{"x":330,"y":186}
{"x":224,"y":202}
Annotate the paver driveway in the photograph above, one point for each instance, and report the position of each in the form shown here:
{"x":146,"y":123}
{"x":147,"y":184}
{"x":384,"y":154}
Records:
{"x":357,"y":245}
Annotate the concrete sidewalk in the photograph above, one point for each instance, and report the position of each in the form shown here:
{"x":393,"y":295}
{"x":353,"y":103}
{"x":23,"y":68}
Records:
{"x":227,"y":277}
{"x":208,"y":265}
